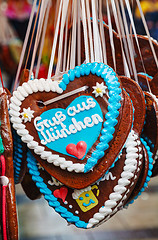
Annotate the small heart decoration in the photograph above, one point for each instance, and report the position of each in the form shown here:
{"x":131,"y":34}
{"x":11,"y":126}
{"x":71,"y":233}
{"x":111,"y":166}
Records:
{"x":78,"y":150}
{"x":61,"y":193}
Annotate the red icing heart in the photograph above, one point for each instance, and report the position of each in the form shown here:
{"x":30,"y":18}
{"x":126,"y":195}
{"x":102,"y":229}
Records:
{"x":61,"y":193}
{"x":78,"y":150}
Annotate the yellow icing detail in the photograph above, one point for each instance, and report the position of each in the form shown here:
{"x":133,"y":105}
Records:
{"x":87,"y":200}
{"x":96,"y":187}
{"x":98,"y":90}
{"x":25,"y":115}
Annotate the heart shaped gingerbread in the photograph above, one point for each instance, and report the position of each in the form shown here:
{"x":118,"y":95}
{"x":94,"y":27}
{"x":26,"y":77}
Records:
{"x":88,"y":105}
{"x":90,"y":206}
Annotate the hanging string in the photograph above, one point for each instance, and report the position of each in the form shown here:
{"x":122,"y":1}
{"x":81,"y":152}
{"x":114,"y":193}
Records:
{"x":65,"y":45}
{"x":135,"y":34}
{"x":78,"y":34}
{"x":96,"y":35}
{"x":102,"y":34}
{"x":68,"y":56}
{"x":90,"y":31}
{"x":60,"y":48}
{"x":123,"y":38}
{"x":73,"y":44}
{"x":44,"y":4}
{"x":54,"y":42}
{"x":25,"y":44}
{"x":33,"y":33}
{"x":84,"y":22}
{"x":130,"y":29}
{"x":147,"y":31}
{"x":118,"y":25}
{"x":43,"y":38}
{"x":111,"y":35}
{"x":126,"y":40}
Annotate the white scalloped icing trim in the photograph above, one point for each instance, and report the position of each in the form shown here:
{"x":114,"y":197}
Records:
{"x":121,"y":204}
{"x":128,"y":173}
{"x":33,"y":86}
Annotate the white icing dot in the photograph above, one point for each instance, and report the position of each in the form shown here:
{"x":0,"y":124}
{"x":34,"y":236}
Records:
{"x":70,"y":206}
{"x":65,"y":202}
{"x":77,"y":212}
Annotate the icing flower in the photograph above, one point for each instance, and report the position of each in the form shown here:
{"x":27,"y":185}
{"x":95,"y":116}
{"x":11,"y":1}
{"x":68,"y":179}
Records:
{"x":27,"y":114}
{"x":99,"y":90}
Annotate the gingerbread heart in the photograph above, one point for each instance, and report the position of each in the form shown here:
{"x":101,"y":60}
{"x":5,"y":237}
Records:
{"x":88,"y":207}
{"x":87,"y":105}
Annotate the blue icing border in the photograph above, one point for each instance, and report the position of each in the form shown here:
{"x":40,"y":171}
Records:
{"x":149,"y":171}
{"x":113,"y":85}
{"x":48,"y":195}
{"x":149,"y":142}
{"x":17,"y":156}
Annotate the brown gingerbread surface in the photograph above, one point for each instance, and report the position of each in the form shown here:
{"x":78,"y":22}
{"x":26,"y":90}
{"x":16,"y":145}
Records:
{"x":138,"y":100}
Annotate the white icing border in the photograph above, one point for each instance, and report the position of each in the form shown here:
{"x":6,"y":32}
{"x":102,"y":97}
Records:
{"x":33,"y":86}
{"x":127,"y":174}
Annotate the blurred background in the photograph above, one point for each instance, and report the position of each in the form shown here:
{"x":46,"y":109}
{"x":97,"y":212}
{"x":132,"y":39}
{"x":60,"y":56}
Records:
{"x":37,"y":221}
